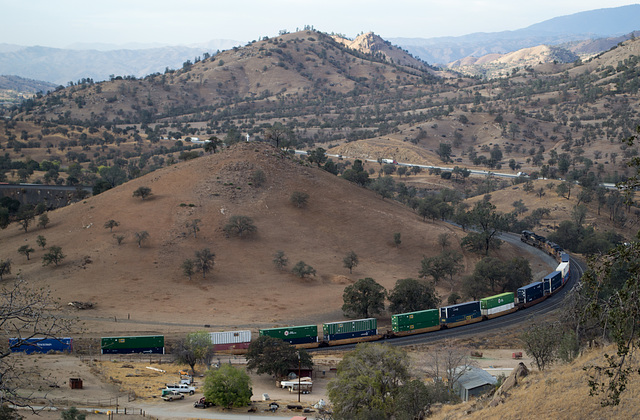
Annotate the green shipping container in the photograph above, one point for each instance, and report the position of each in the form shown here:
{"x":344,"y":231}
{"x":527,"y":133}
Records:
{"x":497,"y":300}
{"x":356,"y":325}
{"x":415,"y":320}
{"x":135,"y":342}
{"x":288,"y":333}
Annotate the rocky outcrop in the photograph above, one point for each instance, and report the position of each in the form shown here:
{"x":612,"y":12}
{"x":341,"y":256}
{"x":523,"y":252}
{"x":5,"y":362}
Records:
{"x":512,"y":381}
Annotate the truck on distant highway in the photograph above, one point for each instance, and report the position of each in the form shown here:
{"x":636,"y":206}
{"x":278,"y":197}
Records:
{"x":392,"y":161}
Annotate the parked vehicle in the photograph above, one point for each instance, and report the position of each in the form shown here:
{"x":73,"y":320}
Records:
{"x":202,"y":403}
{"x":181,"y":388}
{"x":171,"y":395}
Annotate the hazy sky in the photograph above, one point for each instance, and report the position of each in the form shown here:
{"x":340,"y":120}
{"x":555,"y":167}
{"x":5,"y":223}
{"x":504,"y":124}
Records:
{"x":60,"y":23}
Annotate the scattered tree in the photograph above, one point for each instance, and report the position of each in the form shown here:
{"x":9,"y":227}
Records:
{"x":110,"y":224}
{"x":43,"y":221}
{"x":26,"y":250}
{"x":299,"y":199}
{"x":368,"y":382}
{"x":5,"y":267}
{"x":141,"y":237}
{"x":25,"y":217}
{"x":241,"y":226}
{"x":317,"y":156}
{"x":280,"y":260}
{"x":302,"y":270}
{"x":119,"y":239}
{"x":397,"y":239}
{"x":541,"y":341}
{"x":192,"y":225}
{"x":363,"y":299}
{"x":350,"y":261}
{"x":142,"y":192}
{"x":258,"y":178}
{"x":195,"y":348}
{"x":443,"y":240}
{"x":273,"y":356}
{"x":204,"y":261}
{"x":228,"y":386}
{"x":188,"y":268}
{"x":411,"y":295}
{"x":54,"y":255}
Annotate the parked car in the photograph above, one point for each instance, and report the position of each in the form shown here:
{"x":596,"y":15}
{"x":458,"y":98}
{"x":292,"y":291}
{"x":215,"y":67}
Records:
{"x":202,"y":403}
{"x":182,"y":388}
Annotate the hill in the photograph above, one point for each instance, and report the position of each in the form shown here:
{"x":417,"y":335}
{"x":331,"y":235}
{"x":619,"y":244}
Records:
{"x":244,"y":289}
{"x":601,"y":23}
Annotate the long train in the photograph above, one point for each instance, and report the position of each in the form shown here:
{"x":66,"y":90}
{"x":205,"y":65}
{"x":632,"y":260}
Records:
{"x":362,"y":330}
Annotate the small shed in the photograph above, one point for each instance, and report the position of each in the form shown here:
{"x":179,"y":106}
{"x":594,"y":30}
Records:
{"x":75,"y":383}
{"x":473,"y":382}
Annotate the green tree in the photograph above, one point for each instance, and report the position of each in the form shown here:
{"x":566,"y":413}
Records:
{"x":54,"y":255}
{"x":204,"y":261}
{"x":368,"y":382}
{"x":112,"y":176}
{"x":488,"y":223}
{"x":110,"y":224}
{"x":240,"y":226}
{"x":142,"y":192}
{"x":280,"y":260}
{"x":212,"y":145}
{"x":26,"y":250}
{"x":562,"y":189}
{"x":277,"y":133}
{"x":350,"y":261}
{"x":272,"y":356}
{"x":192,"y":225}
{"x":193,"y":349}
{"x":141,"y":237}
{"x":541,"y":340}
{"x":119,"y":239}
{"x":434,"y":267}
{"x":444,"y":151}
{"x":188,"y":268}
{"x":41,"y":241}
{"x":72,"y":413}
{"x":228,"y":386}
{"x":302,"y":270}
{"x":25,"y":217}
{"x":299,"y":199}
{"x":411,"y":295}
{"x":363,"y":299}
{"x":397,"y":239}
{"x":317,"y":156}
{"x":4,"y":217}
{"x":43,"y":221}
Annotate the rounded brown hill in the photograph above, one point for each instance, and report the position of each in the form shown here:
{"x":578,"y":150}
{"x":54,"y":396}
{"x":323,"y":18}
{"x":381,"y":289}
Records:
{"x":244,"y":288}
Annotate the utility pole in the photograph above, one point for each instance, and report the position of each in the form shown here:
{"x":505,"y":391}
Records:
{"x":299,"y":376}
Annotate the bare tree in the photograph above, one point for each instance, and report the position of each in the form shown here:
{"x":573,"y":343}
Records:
{"x":204,"y":261}
{"x":25,"y":314}
{"x":110,"y":224}
{"x":446,"y":364}
{"x":192,"y":225}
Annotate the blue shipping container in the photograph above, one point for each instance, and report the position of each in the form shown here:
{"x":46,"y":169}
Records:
{"x":461,"y":311}
{"x":530,"y":292}
{"x":552,"y":282}
{"x":302,"y":340}
{"x":565,"y":257}
{"x":40,"y":345}
{"x":353,"y":334}
{"x":147,"y":350}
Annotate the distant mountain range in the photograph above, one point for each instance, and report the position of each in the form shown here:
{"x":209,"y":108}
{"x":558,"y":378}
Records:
{"x":61,"y":66}
{"x":594,"y":24}
{"x":99,"y":62}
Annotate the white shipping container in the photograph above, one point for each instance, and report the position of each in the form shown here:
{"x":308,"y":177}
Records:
{"x":498,"y":309}
{"x":563,"y":268}
{"x":230,"y":337}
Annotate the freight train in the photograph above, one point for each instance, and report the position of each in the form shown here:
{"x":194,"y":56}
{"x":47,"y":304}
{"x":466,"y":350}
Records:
{"x":361,"y":330}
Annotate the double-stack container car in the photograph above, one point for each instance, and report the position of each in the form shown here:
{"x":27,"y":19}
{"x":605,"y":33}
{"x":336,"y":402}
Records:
{"x":300,"y":335}
{"x":153,"y":344}
{"x":230,"y":341}
{"x":41,"y":345}
{"x":344,"y":331}
{"x":552,"y":282}
{"x":415,"y":322}
{"x":460,"y":314}
{"x":497,"y":305}
{"x":531,"y":293}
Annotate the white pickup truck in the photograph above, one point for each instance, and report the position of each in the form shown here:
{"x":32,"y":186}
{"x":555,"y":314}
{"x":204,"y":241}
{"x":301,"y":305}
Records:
{"x":182,"y":388}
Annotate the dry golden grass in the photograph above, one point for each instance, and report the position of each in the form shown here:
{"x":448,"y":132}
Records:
{"x":560,"y":393}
